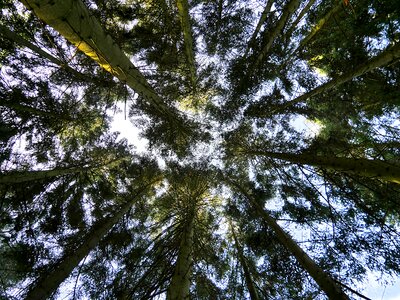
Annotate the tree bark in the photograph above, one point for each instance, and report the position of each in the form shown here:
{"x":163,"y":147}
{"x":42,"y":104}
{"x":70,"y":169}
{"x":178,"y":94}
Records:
{"x":48,"y":283}
{"x":289,"y":9}
{"x":183,"y":10}
{"x":247,"y":275}
{"x":12,"y":36}
{"x":387,"y":56}
{"x":299,"y":17}
{"x":25,"y":176}
{"x":261,"y":21}
{"x":323,"y":279}
{"x":319,"y":25}
{"x":34,"y":111}
{"x":13,"y":177}
{"x":72,"y":20}
{"x":179,"y":287}
{"x":359,"y":166}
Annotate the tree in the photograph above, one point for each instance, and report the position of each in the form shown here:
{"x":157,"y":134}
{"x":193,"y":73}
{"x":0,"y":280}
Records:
{"x":46,"y":285}
{"x":249,"y":281}
{"x":361,"y":166}
{"x":235,"y":198}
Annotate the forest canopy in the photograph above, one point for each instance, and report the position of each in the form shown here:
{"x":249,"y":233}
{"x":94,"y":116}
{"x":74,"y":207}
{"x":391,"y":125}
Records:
{"x":233,"y":198}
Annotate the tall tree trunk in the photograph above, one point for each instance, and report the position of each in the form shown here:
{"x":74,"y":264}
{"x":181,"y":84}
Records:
{"x":34,"y":111}
{"x":261,"y":21}
{"x":319,"y":25}
{"x":387,"y":56}
{"x":73,"y":20}
{"x":323,"y":279}
{"x":359,"y":166}
{"x":13,"y":177}
{"x":247,"y":275}
{"x":48,"y":283}
{"x":183,"y":10}
{"x":179,"y":287}
{"x":12,"y":36}
{"x":299,"y":17}
{"x":25,"y":176}
{"x":289,"y":9}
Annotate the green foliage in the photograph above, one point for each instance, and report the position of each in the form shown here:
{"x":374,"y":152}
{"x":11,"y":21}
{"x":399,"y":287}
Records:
{"x":210,"y":161}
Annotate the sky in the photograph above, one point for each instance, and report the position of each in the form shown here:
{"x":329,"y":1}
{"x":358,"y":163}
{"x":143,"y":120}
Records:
{"x":373,"y":287}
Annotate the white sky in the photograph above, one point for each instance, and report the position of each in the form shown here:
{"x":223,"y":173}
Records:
{"x":126,"y":129}
{"x":372,"y":288}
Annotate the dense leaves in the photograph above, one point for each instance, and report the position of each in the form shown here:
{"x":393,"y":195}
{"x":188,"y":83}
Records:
{"x":272,"y":169}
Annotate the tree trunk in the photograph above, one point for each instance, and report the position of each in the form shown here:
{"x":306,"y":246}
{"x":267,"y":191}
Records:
{"x":359,"y":166}
{"x":47,"y":284}
{"x":323,"y":279}
{"x":319,"y":25}
{"x":261,"y":21}
{"x":180,"y":284}
{"x":247,"y":275}
{"x":183,"y":10}
{"x":34,"y":111}
{"x":72,"y":20}
{"x":13,"y":177}
{"x":25,"y":176}
{"x":289,"y":9}
{"x":12,"y":36}
{"x":387,"y":56}
{"x":299,"y":17}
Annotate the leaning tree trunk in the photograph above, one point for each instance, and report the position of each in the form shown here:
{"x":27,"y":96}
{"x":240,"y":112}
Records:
{"x":260,"y":22}
{"x":34,"y":111}
{"x":325,"y":282}
{"x":387,"y":56}
{"x":319,"y":25}
{"x":183,"y":10}
{"x":298,"y":19}
{"x":179,"y":287}
{"x":12,"y":36}
{"x":25,"y":176}
{"x":288,"y":10}
{"x":73,"y":20}
{"x":13,"y":177}
{"x":247,"y":275}
{"x":47,"y":284}
{"x":323,"y":279}
{"x":359,"y":166}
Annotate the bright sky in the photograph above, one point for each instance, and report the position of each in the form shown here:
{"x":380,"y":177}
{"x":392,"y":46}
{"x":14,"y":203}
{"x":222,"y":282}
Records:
{"x":126,"y":129}
{"x":372,"y":288}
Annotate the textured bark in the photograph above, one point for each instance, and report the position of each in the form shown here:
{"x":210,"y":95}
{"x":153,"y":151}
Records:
{"x":72,"y":20}
{"x":323,"y":279}
{"x":12,"y":36}
{"x":360,"y":166}
{"x":387,"y":56}
{"x":13,"y":177}
{"x":299,"y":17}
{"x":183,"y":10}
{"x":25,"y":176}
{"x":289,"y":9}
{"x":48,"y":283}
{"x":247,"y":275}
{"x":179,"y":287}
{"x":261,"y":21}
{"x":34,"y":111}
{"x":319,"y":25}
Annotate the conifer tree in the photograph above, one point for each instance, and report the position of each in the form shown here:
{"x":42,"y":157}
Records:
{"x":271,"y":164}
